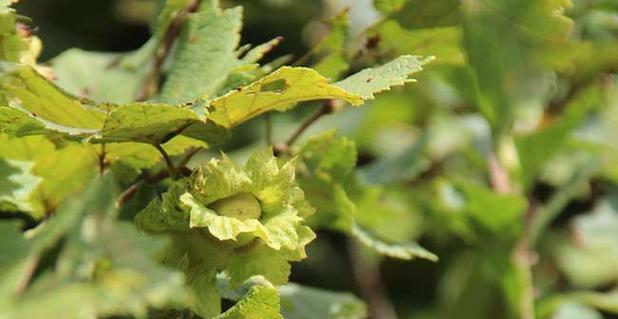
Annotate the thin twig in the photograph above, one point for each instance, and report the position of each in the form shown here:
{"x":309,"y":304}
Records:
{"x":187,"y":157}
{"x":269,"y":128}
{"x":168,"y":160}
{"x":132,"y":190}
{"x":327,"y":107}
{"x":29,"y":270}
{"x":157,"y":177}
{"x":498,"y":175}
{"x":151,"y":83}
{"x":102,"y":160}
{"x":522,"y":254}
{"x":523,"y":258}
{"x":366,"y":273}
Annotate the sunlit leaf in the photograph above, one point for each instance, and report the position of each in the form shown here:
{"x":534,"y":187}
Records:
{"x":374,"y":80}
{"x":259,"y":302}
{"x":279,"y":91}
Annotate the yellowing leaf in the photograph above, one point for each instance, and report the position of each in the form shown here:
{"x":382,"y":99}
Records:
{"x":260,"y":302}
{"x":279,"y":91}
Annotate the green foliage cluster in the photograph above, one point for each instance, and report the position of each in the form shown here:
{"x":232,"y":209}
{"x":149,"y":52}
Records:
{"x":122,"y":196}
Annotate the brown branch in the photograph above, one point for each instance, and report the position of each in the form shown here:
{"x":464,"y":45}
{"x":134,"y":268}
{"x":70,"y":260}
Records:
{"x":327,"y":107}
{"x":498,"y":175}
{"x":522,"y":255}
{"x":102,"y":160}
{"x":366,"y":273}
{"x":157,"y":177}
{"x":167,"y":159}
{"x":187,"y":157}
{"x":29,"y":269}
{"x":132,"y":190}
{"x":151,"y":83}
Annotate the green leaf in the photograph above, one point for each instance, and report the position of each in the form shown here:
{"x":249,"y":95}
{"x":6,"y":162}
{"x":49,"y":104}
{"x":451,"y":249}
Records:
{"x":389,"y":213}
{"x":206,"y":55}
{"x":550,"y":140}
{"x":279,"y":91}
{"x":400,"y":167}
{"x":17,"y":123}
{"x":334,"y":208}
{"x":14,"y":254}
{"x":328,"y":154}
{"x":491,"y":211}
{"x":203,"y":282}
{"x":146,"y":122}
{"x":576,"y":311}
{"x":329,"y":161}
{"x":604,"y":301}
{"x":404,"y":251}
{"x":418,"y":14}
{"x":97,"y":75}
{"x":16,"y":46}
{"x":327,"y":180}
{"x":166,"y":215}
{"x":16,"y":185}
{"x":133,"y":157}
{"x":122,"y":276}
{"x":63,"y":170}
{"x":442,"y":42}
{"x":526,"y":39}
{"x":259,"y":260}
{"x":59,"y":112}
{"x":259,"y":303}
{"x":389,"y":6}
{"x":374,"y":80}
{"x":32,"y":93}
{"x":301,"y":302}
{"x":330,"y":50}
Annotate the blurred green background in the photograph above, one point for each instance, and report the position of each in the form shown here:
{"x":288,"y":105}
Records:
{"x":425,"y":142}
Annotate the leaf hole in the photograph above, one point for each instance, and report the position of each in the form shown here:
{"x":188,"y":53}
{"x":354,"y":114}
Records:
{"x":277,"y":86}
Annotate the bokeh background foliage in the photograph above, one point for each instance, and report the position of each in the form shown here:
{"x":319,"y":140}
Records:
{"x":502,"y":159}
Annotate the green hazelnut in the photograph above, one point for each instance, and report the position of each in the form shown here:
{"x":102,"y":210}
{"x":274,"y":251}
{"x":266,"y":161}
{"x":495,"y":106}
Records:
{"x":242,"y":206}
